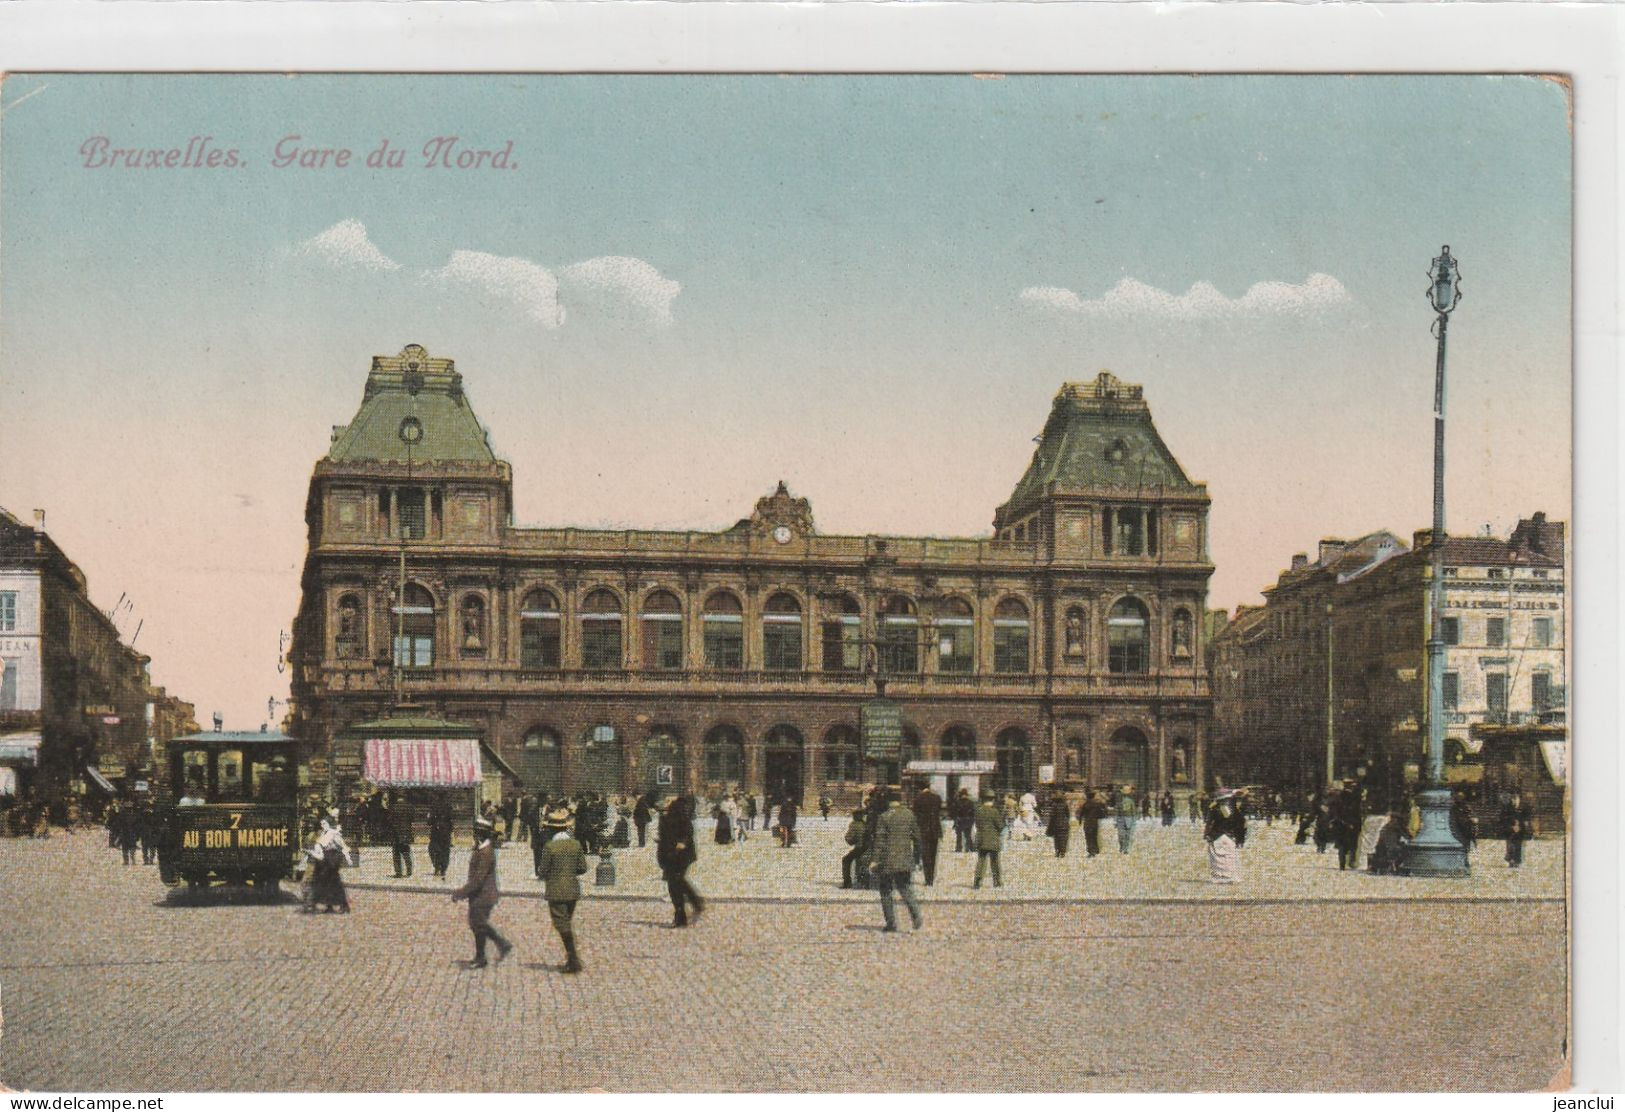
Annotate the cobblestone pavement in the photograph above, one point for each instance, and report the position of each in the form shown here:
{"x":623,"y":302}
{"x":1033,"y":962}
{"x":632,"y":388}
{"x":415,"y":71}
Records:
{"x":107,"y":985}
{"x":1164,"y":863}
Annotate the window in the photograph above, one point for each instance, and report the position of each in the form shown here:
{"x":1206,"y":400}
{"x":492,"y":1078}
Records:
{"x":662,"y":631}
{"x":411,"y":513}
{"x":1540,"y":691}
{"x":414,"y":629}
{"x":1495,"y":632}
{"x":843,"y":761}
{"x":1450,"y":630}
{"x":899,"y":635}
{"x":956,"y":638}
{"x":1010,"y":637}
{"x":1129,"y":537}
{"x":1127,"y":638}
{"x":8,"y":685}
{"x":1452,"y":690}
{"x":958,"y":744}
{"x":8,"y":611}
{"x":781,"y":633}
{"x":1011,"y":757}
{"x":724,"y":632}
{"x":230,"y":785}
{"x":1495,"y":694}
{"x":724,"y":755}
{"x":1498,"y":573}
{"x":843,"y":636}
{"x":1538,"y":574}
{"x":1451,"y":573}
{"x":539,"y":631}
{"x":601,"y":630}
{"x":1540,"y":633}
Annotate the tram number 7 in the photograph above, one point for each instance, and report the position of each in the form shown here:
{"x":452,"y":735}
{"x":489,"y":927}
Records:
{"x":236,"y":819}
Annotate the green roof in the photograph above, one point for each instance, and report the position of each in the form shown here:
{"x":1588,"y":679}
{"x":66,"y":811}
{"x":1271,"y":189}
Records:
{"x":1099,"y":436}
{"x":412,"y":385}
{"x":409,"y":722}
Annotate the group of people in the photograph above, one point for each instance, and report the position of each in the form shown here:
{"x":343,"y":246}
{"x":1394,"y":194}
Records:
{"x":134,"y":827}
{"x":30,"y":816}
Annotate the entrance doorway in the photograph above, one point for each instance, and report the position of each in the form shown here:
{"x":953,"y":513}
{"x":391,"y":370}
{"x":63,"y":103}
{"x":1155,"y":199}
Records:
{"x":782,"y":772}
{"x":1131,"y":760}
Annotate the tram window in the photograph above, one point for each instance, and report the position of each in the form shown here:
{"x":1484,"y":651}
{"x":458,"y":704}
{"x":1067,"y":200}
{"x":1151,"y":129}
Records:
{"x":192,"y":777}
{"x":270,"y":780}
{"x":230,"y":786}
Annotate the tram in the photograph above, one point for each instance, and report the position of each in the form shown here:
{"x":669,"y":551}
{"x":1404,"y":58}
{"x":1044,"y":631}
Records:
{"x":233,"y":817}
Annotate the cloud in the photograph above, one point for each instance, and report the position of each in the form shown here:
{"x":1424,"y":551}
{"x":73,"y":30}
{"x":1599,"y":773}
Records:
{"x":1131,"y":298}
{"x":346,"y":244}
{"x":637,"y":281}
{"x":527,"y":285}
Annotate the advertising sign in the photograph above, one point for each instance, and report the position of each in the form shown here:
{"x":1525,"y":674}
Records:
{"x":881,"y":723}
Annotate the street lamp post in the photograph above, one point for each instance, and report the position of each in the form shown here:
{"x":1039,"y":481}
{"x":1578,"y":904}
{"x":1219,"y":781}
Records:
{"x":1435,"y":851}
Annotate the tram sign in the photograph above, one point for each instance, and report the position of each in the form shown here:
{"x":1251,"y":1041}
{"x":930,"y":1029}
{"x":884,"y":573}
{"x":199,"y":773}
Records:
{"x":880,"y":721}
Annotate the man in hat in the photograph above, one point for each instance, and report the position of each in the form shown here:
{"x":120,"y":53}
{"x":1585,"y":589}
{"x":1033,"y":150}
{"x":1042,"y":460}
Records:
{"x":928,"y":814}
{"x":481,"y":892}
{"x":440,"y":824}
{"x":1347,"y":819}
{"x":897,"y":840}
{"x":674,"y":854}
{"x":1125,"y":818}
{"x":989,"y":839}
{"x":563,"y":862}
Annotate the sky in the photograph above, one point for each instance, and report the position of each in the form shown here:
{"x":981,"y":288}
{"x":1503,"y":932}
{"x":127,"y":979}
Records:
{"x":674,"y":291}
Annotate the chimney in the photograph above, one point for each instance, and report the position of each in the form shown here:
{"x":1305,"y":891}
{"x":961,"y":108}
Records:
{"x":1300,"y":561}
{"x":1422,"y":538}
{"x":39,"y":519}
{"x":1331,"y":548}
{"x":1537,"y":534}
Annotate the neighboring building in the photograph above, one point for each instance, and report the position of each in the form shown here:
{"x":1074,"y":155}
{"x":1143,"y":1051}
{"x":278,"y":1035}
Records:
{"x":72,"y":696}
{"x":1349,"y":631}
{"x":168,"y":718}
{"x":619,"y":660}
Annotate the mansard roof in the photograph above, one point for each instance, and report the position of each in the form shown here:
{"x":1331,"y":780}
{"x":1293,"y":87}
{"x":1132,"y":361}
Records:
{"x":1099,"y":438}
{"x":412,"y":384}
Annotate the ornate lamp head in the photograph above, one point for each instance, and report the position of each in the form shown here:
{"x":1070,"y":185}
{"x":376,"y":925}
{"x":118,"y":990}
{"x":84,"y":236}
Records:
{"x":1445,"y":274}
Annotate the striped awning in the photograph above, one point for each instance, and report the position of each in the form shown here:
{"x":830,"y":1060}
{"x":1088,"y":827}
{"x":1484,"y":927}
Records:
{"x":422,"y":762}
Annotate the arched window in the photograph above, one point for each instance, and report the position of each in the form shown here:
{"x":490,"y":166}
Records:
{"x":782,"y":773}
{"x":664,"y":765}
{"x":1127,"y":638}
{"x":724,"y":632}
{"x":350,"y":629}
{"x":1012,"y":757}
{"x":1182,"y":642}
{"x":956,"y":637}
{"x":958,"y":744}
{"x":414,"y":632}
{"x":899,"y":634}
{"x":471,"y":626}
{"x":843,"y":635}
{"x":1011,"y":637}
{"x":601,"y":630}
{"x":781,"y":633}
{"x":539,"y":631}
{"x":724,"y":755}
{"x":662,"y":631}
{"x":544,"y":762}
{"x":1131,"y":760}
{"x":843,"y":760}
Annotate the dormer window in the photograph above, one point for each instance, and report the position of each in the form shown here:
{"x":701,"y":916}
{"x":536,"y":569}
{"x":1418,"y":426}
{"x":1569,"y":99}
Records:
{"x":1116,"y":452}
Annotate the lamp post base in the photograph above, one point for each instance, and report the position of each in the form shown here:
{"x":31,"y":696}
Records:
{"x":1435,"y":851}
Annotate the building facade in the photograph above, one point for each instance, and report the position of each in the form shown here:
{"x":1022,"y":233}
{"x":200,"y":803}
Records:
{"x":622,"y":660}
{"x":1328,"y":679}
{"x":73,"y":696}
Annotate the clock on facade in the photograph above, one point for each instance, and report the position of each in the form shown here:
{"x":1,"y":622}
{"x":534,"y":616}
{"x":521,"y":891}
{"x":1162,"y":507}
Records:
{"x":781,"y":533}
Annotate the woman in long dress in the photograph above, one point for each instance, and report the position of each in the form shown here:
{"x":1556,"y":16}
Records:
{"x":725,"y":821}
{"x":1225,"y":832}
{"x":329,"y":855}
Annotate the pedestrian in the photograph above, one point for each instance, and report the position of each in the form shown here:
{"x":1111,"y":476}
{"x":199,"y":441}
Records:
{"x":1167,"y":808}
{"x":510,"y":813}
{"x":440,"y":824}
{"x":824,"y":804}
{"x":1347,"y":819}
{"x":1090,"y":816}
{"x":896,"y":842}
{"x":528,"y":815}
{"x":1197,"y":802}
{"x":129,"y":833}
{"x":113,"y":818}
{"x":1391,"y":841}
{"x":481,"y":893}
{"x":787,"y":821}
{"x":726,"y":815}
{"x":1011,"y":810}
{"x":1060,"y":823}
{"x":1306,"y":822}
{"x":1323,"y":823}
{"x":1462,"y":823}
{"x":1145,"y":805}
{"x":674,"y":853}
{"x":1125,"y":819}
{"x":1226,"y":832}
{"x":641,"y":814}
{"x":855,"y":839}
{"x":750,"y":812}
{"x":989,"y":839}
{"x":928,"y":816}
{"x":400,"y":833}
{"x":563,"y":862}
{"x":963,"y":814}
{"x":328,"y":856}
{"x":1518,"y":825}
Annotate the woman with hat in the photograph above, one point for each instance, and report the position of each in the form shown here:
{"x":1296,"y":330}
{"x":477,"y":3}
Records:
{"x":327,"y":856}
{"x":481,"y":892}
{"x":563,"y":862}
{"x":1225,"y":832}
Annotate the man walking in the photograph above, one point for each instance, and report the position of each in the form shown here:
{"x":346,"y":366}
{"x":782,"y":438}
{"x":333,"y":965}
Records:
{"x":1089,"y":815}
{"x":1347,"y":818}
{"x":674,"y":854}
{"x":563,"y":862}
{"x":989,"y":839}
{"x":963,"y":814}
{"x":1518,"y":825}
{"x":896,"y":841}
{"x":1059,"y":827}
{"x":641,"y":815}
{"x":1125,"y":819}
{"x":440,"y":823}
{"x":481,"y":893}
{"x":400,"y":833}
{"x":855,"y":839}
{"x":928,"y":816}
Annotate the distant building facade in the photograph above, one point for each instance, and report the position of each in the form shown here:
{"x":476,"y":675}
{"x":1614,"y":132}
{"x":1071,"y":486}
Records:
{"x":625,"y":660}
{"x":1329,"y":677}
{"x":73,"y":697}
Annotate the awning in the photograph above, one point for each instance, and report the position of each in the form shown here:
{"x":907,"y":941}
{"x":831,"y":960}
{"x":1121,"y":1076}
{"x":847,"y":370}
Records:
{"x":399,"y":762}
{"x":20,"y":748}
{"x":1556,"y":754}
{"x":99,"y":780}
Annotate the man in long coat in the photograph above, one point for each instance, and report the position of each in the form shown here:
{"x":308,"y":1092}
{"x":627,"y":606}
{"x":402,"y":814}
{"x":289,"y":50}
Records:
{"x":1089,"y":816}
{"x":1347,"y":818}
{"x":897,"y":839}
{"x":1060,"y":823}
{"x":440,"y":824}
{"x":989,"y":839}
{"x":928,"y":814}
{"x":963,"y":813}
{"x":481,"y":893}
{"x":1125,"y":819}
{"x":674,"y":854}
{"x":563,"y":862}
{"x":400,"y":833}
